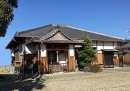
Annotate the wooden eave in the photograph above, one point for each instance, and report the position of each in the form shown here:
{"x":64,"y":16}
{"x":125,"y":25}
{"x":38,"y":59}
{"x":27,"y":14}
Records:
{"x":110,"y":40}
{"x":29,"y":36}
{"x":60,"y":42}
{"x":9,"y":43}
{"x":123,"y":48}
{"x":67,"y":42}
{"x":103,"y":40}
{"x":14,"y":40}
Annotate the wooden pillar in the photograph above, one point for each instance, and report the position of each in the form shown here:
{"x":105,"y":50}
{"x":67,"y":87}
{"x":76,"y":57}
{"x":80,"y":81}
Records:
{"x":39,"y":59}
{"x":57,"y":56}
{"x":44,"y":61}
{"x":71,"y":58}
{"x":23,"y":62}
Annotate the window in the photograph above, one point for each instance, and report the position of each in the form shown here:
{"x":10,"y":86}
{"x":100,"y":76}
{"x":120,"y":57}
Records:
{"x":95,"y":48}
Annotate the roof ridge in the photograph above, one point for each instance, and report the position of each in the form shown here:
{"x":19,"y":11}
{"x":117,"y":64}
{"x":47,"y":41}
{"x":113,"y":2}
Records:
{"x":59,"y":25}
{"x":52,"y":32}
{"x":95,"y":32}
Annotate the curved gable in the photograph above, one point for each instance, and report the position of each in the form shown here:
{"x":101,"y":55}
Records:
{"x":58,"y":36}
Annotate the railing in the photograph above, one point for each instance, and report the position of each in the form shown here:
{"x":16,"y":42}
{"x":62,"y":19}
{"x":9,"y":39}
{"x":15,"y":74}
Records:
{"x":17,"y":70}
{"x":58,"y":68}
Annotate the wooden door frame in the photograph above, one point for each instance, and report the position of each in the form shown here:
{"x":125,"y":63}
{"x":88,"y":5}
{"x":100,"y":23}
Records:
{"x":104,"y":60}
{"x":119,"y":60}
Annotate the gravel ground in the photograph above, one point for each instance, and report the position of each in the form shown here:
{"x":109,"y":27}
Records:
{"x":117,"y":79}
{"x":111,"y":79}
{"x":92,"y":82}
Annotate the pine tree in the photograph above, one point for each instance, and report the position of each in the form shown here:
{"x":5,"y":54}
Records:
{"x":87,"y":54}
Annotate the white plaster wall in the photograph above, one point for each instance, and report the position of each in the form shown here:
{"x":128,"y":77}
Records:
{"x":43,"y":50}
{"x":108,"y":45}
{"x":99,"y":51}
{"x":71,"y":50}
{"x":99,"y":45}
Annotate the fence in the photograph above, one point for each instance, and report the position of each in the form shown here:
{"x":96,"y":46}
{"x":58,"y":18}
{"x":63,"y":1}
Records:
{"x":9,"y":69}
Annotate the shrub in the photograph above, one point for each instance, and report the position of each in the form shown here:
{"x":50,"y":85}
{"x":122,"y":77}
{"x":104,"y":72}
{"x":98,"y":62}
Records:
{"x":95,"y":68}
{"x":87,"y":54}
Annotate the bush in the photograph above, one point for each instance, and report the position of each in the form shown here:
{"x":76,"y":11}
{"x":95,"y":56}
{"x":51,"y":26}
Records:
{"x":95,"y":68}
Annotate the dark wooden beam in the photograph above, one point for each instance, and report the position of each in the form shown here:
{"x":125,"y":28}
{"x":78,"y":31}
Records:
{"x":39,"y":59}
{"x":29,"y":36}
{"x":56,"y":49}
{"x":110,"y":40}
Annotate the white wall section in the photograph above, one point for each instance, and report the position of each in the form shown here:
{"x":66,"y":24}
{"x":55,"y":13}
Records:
{"x":43,"y":50}
{"x":99,"y":51}
{"x":71,"y":50}
{"x":99,"y":45}
{"x":108,"y":45}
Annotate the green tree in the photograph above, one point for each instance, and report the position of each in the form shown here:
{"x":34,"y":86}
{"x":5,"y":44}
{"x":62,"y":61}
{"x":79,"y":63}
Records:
{"x":87,"y":54}
{"x":6,"y":14}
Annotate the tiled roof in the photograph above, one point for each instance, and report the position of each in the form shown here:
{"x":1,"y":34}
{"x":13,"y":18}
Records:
{"x":60,"y":41}
{"x":71,"y":32}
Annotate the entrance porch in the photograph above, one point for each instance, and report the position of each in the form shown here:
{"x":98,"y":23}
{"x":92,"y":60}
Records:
{"x":58,"y":60}
{"x":57,"y":57}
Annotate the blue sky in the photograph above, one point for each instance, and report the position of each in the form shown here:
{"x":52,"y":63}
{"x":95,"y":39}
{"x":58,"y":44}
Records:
{"x":110,"y":17}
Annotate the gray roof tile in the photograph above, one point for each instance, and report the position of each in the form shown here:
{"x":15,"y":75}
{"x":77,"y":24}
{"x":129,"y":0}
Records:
{"x":70,"y":32}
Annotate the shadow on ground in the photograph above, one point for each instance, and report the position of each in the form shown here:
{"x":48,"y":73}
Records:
{"x":12,"y":82}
